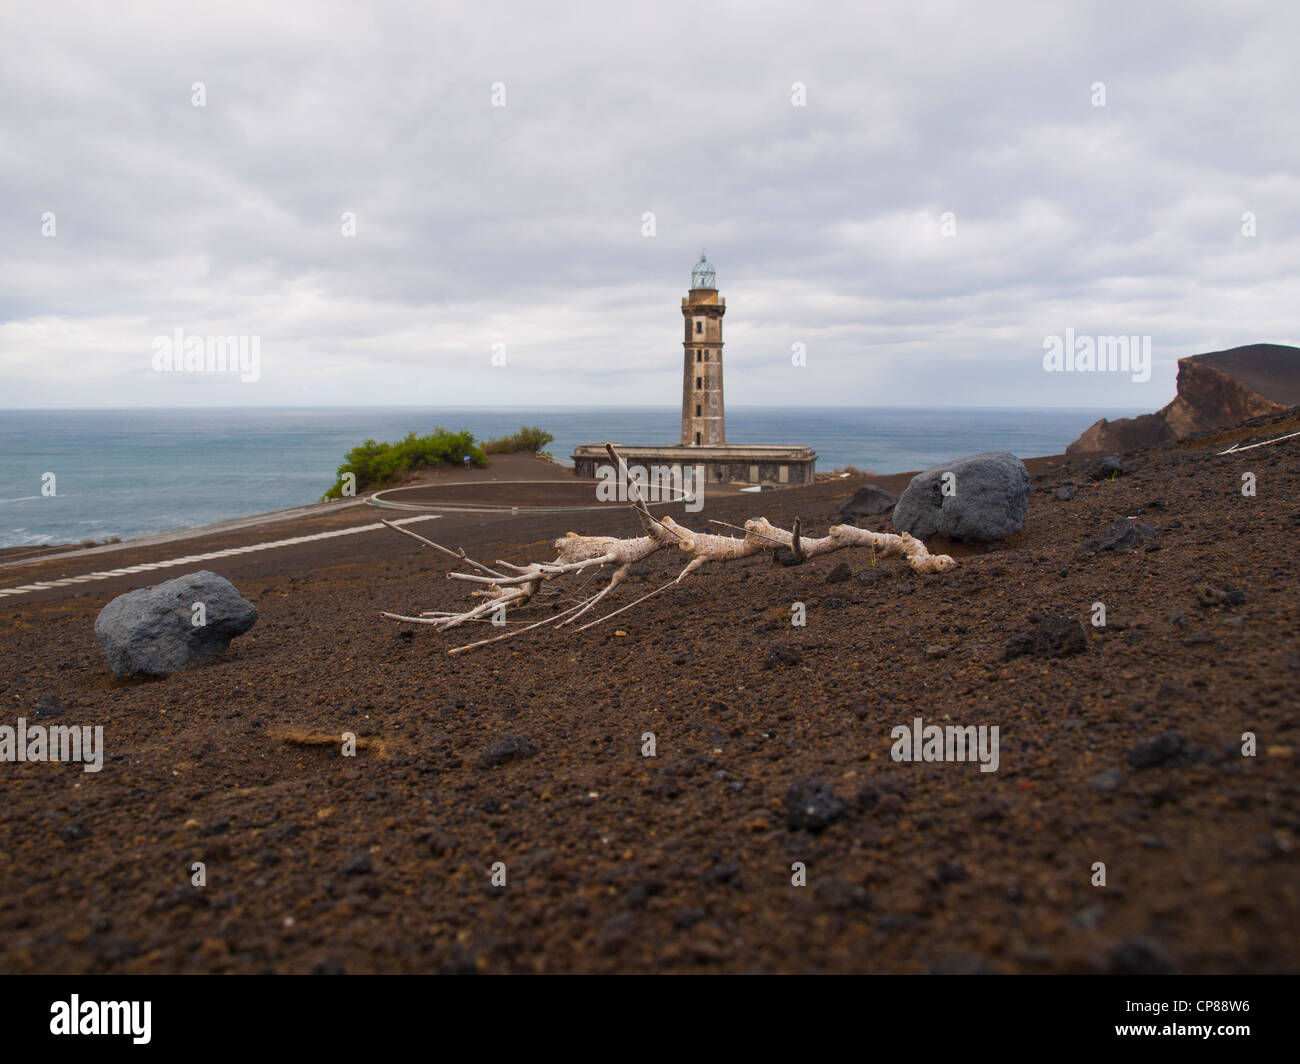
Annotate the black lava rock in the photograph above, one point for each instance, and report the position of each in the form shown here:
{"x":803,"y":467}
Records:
{"x":1110,"y":780}
{"x":508,"y":748}
{"x":1059,"y":637}
{"x":111,"y":949}
{"x":1018,"y":646}
{"x":961,"y":964}
{"x":75,"y":830}
{"x":811,"y":805}
{"x":1220,"y":595}
{"x":1160,"y":750}
{"x":1126,"y":534}
{"x":992,"y":809}
{"x":836,"y":893}
{"x":358,"y":864}
{"x":839,"y":574}
{"x":869,"y":501}
{"x":884,"y":794}
{"x":781,"y":654}
{"x":723,"y":870}
{"x":950,"y":872}
{"x":48,"y":705}
{"x":1055,"y":637}
{"x":1139,"y":956}
{"x":1106,"y":468}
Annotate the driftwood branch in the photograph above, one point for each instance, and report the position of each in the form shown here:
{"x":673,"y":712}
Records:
{"x":574,"y":554}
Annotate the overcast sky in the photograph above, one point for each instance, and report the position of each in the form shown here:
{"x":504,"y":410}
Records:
{"x":523,"y":224}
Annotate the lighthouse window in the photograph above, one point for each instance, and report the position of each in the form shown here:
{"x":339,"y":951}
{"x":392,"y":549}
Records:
{"x":699,"y":327}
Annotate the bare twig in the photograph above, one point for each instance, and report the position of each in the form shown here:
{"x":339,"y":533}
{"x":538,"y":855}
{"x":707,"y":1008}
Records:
{"x":584,"y":554}
{"x":458,"y":555}
{"x":665,"y":587}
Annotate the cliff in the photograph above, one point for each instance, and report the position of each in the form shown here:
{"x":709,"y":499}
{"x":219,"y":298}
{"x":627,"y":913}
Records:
{"x":1215,"y":390}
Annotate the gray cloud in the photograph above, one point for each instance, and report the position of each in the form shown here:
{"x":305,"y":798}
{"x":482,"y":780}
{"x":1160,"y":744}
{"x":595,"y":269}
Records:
{"x":522,"y":224}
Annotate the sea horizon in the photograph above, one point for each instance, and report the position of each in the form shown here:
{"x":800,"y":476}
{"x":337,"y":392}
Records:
{"x":1120,"y":410}
{"x":138,"y":471}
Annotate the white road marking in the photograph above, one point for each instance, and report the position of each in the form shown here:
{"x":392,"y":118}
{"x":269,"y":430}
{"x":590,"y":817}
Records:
{"x":190,"y":559}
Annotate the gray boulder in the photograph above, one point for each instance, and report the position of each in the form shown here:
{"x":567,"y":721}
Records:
{"x":869,"y":501}
{"x":153,"y":631}
{"x":988,"y":500}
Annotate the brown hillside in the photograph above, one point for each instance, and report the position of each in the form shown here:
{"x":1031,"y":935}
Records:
{"x":1215,"y":390}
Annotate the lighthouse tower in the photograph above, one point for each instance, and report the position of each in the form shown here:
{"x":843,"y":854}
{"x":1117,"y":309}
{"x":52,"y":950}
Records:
{"x":704,"y":445}
{"x":702,"y":414}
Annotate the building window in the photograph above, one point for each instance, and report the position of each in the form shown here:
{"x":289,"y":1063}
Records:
{"x":699,"y":327}
{"x":697,"y":356}
{"x":697,"y":439}
{"x":699,"y":383}
{"x":697,"y":409}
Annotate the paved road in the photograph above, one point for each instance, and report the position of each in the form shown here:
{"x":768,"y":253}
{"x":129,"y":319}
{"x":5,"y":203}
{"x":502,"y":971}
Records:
{"x":309,"y":538}
{"x":291,"y":541}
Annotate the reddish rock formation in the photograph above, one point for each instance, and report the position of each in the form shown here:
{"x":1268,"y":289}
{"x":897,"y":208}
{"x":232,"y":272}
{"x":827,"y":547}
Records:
{"x":1215,"y":390}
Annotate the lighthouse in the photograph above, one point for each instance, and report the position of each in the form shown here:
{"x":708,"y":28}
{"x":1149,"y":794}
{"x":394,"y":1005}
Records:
{"x":703,"y":447}
{"x":703,"y":419}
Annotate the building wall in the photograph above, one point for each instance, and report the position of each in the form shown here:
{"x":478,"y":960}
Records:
{"x":738,"y":468}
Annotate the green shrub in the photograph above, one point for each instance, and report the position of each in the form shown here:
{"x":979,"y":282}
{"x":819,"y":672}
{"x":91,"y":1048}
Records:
{"x":526,"y":439}
{"x":376,"y":464}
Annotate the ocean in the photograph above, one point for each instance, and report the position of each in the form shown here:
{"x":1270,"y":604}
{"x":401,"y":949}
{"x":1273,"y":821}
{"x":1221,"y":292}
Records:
{"x":133,"y":473}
